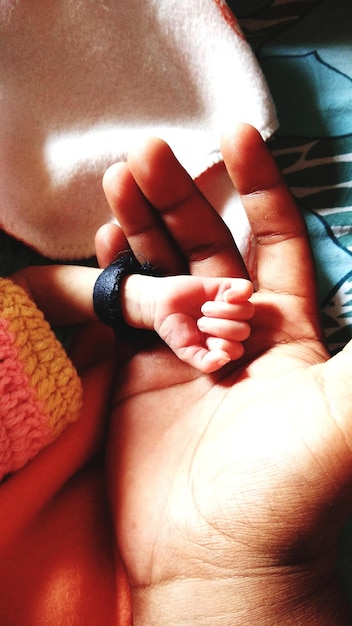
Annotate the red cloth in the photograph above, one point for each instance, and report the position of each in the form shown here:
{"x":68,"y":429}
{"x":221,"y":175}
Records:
{"x":58,"y":558}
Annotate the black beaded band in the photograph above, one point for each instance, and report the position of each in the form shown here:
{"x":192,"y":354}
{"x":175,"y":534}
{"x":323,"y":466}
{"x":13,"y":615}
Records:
{"x":106,"y":296}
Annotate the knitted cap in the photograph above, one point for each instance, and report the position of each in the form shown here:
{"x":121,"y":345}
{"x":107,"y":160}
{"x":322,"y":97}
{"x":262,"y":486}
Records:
{"x":40,"y":391}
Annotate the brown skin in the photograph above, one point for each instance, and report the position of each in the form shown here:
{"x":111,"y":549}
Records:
{"x":229,"y":491}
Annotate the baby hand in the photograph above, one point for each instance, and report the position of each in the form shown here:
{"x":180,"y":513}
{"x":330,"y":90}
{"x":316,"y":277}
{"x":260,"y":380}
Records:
{"x":225,"y":324}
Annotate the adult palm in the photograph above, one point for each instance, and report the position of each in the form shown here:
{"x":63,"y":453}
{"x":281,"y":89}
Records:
{"x":229,"y":491}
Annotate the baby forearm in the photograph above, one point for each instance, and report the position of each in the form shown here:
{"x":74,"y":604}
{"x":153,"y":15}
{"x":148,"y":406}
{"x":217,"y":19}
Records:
{"x":65,"y":294}
{"x":62,"y":292}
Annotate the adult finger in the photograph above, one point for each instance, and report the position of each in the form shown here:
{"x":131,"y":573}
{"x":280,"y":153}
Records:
{"x":141,"y":225}
{"x":170,"y":221}
{"x":284,"y":259}
{"x":109,"y":241}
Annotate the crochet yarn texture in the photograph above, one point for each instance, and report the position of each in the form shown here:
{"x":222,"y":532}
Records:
{"x":40,"y":390}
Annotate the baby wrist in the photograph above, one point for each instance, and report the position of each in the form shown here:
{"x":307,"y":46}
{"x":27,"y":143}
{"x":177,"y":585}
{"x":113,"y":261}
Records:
{"x":109,"y":297}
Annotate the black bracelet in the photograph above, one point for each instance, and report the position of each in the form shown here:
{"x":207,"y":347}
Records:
{"x":106,"y":296}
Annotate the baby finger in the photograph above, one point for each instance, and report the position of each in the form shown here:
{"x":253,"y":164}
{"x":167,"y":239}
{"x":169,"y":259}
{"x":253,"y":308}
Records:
{"x":235,"y":330}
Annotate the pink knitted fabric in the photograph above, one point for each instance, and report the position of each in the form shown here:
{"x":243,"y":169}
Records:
{"x":40,"y":391}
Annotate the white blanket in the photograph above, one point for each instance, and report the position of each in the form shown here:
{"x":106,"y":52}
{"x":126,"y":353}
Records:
{"x":80,"y":80}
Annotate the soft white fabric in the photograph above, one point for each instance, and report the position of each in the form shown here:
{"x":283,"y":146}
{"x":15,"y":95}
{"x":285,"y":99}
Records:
{"x":80,"y":80}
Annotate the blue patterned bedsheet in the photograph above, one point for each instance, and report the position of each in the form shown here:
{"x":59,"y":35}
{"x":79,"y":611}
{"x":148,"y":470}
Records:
{"x":305,"y":50}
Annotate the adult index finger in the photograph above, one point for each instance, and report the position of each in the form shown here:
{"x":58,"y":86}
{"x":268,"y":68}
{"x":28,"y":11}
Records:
{"x":183,"y":214}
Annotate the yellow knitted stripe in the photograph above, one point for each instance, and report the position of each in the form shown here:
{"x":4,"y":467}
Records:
{"x":49,"y":370}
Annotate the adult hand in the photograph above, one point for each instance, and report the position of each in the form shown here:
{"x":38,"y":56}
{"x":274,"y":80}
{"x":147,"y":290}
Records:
{"x":229,"y":490}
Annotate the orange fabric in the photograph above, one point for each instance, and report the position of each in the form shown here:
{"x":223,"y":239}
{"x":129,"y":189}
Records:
{"x":39,"y":388}
{"x":58,"y":562}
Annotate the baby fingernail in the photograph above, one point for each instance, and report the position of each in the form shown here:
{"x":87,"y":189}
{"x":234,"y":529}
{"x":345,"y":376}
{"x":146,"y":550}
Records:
{"x":223,"y":361}
{"x":200,"y":324}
